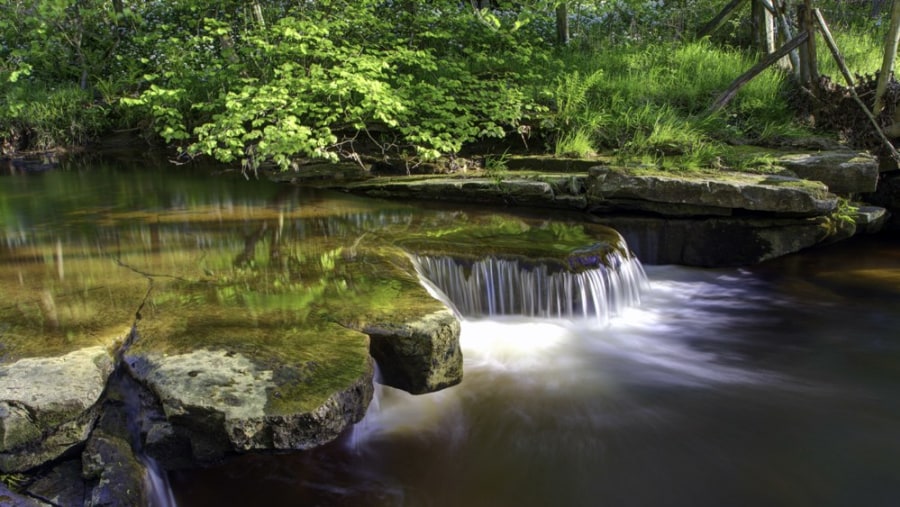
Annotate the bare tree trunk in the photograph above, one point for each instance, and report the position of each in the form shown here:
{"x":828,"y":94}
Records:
{"x":781,"y":9}
{"x":562,"y":24}
{"x":720,"y":18}
{"x":809,"y":67}
{"x":890,"y":54}
{"x":763,"y":26}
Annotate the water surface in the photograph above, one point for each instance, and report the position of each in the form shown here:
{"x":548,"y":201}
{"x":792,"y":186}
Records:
{"x":772,"y":385}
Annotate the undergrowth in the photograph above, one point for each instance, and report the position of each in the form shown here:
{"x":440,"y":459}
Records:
{"x":290,"y":84}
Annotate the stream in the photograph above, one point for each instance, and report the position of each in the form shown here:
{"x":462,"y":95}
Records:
{"x":775,"y":385}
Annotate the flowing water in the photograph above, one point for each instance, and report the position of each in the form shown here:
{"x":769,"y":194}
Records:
{"x":773,"y":385}
{"x":497,"y":287}
{"x":777,"y":385}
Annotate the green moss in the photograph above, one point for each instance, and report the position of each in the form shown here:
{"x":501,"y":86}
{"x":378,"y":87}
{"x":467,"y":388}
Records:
{"x":551,"y":242}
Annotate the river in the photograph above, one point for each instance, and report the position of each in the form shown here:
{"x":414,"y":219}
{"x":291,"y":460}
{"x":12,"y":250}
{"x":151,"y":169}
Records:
{"x":777,"y":384}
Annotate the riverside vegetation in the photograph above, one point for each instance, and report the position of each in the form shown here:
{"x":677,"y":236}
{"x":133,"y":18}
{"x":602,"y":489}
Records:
{"x":285,"y":82}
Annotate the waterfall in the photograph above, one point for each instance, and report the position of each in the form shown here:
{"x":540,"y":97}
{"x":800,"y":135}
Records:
{"x":156,"y":482}
{"x":496,"y":286}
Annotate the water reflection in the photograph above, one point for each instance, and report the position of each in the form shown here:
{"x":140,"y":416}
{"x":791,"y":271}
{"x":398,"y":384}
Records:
{"x":772,"y":386}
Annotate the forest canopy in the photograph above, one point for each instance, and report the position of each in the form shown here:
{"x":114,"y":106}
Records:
{"x":283,"y":82}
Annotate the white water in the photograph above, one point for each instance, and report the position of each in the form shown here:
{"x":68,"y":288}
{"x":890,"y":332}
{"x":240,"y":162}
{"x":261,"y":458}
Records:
{"x":156,"y":484}
{"x":533,"y":364}
{"x":718,"y":390}
{"x":494,"y":287}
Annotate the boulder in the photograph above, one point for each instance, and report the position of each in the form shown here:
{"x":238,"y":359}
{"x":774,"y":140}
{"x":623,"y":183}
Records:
{"x":9,"y":498}
{"x":61,"y":485}
{"x":420,"y":356}
{"x":412,"y":336}
{"x":49,"y":405}
{"x":719,"y":194}
{"x":118,"y":477}
{"x":844,"y":172}
{"x":220,"y":401}
{"x":887,"y":195}
{"x":870,"y":219}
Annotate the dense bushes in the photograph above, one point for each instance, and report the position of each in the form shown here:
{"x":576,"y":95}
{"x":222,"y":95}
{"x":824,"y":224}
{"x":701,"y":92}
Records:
{"x":279,"y":81}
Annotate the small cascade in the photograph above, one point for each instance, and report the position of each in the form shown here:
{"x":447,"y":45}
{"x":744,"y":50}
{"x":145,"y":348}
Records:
{"x":362,"y":430}
{"x":496,"y":286}
{"x":156,"y":482}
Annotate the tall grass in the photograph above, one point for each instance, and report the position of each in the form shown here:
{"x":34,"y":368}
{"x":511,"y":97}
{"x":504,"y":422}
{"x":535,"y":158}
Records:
{"x":653,"y":100}
{"x":48,"y":117}
{"x":862,"y":47}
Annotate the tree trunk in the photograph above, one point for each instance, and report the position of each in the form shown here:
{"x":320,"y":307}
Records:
{"x":809,"y":67}
{"x":562,"y":24}
{"x":826,"y":33}
{"x":763,"y":27}
{"x":890,"y":54}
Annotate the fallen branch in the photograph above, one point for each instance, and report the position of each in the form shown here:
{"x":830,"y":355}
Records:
{"x":748,"y":76}
{"x":849,"y":79}
{"x":717,"y":21}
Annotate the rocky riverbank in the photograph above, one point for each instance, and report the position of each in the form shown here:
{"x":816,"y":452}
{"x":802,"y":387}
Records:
{"x":702,"y":218}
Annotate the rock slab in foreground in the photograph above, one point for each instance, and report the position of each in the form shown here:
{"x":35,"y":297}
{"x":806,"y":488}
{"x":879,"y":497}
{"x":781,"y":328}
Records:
{"x":49,"y":405}
{"x":218,"y":402}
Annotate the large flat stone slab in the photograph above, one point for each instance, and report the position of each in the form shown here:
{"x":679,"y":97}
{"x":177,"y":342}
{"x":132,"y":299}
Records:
{"x":708,"y":194}
{"x":844,"y":172}
{"x":48,"y":405}
{"x":518,"y":191}
{"x":724,"y":241}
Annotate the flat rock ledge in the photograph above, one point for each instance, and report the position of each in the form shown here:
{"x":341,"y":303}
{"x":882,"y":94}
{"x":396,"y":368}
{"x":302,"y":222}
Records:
{"x":604,"y":189}
{"x":49,"y":405}
{"x":763,"y":216}
{"x":608,"y":188}
{"x":843,"y":172}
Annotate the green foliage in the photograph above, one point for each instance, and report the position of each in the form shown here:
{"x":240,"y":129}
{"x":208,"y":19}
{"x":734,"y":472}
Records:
{"x":313,"y":84}
{"x":279,"y":82}
{"x":13,"y":481}
{"x":43,"y":118}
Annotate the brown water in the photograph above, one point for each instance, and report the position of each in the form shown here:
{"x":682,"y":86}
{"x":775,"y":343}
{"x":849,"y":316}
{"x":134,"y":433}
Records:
{"x":776,"y":385}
